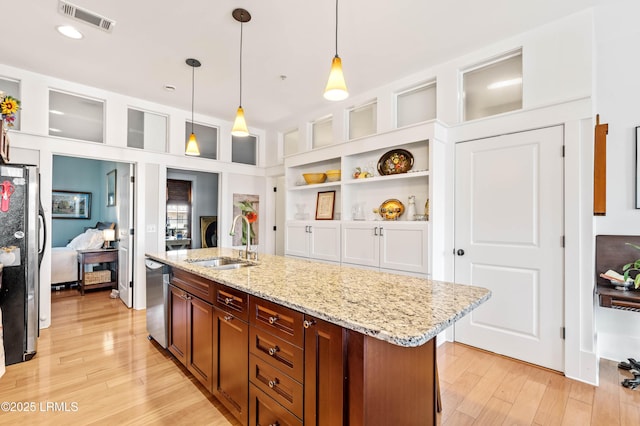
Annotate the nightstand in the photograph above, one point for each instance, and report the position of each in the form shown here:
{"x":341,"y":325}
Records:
{"x":99,"y":278}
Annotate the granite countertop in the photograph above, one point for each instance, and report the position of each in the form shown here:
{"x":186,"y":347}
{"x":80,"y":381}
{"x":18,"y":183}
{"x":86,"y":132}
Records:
{"x":402,"y":310}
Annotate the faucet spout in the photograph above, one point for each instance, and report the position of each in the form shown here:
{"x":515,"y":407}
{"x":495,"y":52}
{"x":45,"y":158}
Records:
{"x":247,"y":249}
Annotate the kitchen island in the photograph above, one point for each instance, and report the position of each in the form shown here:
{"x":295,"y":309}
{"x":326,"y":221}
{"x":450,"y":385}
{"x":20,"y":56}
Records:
{"x":323,"y":344}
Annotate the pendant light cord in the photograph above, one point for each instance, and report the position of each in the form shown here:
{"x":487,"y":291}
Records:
{"x":193,"y":85}
{"x":241,"y":25}
{"x":336,"y":27}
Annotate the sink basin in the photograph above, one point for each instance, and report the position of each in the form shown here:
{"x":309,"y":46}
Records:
{"x":221,"y":263}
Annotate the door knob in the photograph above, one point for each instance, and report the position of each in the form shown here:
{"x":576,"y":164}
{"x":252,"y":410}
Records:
{"x":460,"y":252}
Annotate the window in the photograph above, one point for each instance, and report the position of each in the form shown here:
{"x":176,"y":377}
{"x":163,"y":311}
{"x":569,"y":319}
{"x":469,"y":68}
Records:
{"x":363,"y":120}
{"x":416,"y":105}
{"x":12,"y":88}
{"x":322,"y":132}
{"x":493,"y":88}
{"x":178,"y":208}
{"x":76,"y":117}
{"x":244,"y":150}
{"x":290,"y":141}
{"x":146,"y":130}
{"x":207,"y":139}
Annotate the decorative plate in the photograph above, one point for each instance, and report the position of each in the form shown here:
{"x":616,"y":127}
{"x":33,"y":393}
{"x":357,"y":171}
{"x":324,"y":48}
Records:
{"x":391,"y":209}
{"x":395,"y":162}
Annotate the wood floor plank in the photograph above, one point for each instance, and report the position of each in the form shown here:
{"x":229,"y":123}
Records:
{"x":526,"y":405}
{"x":554,"y":401}
{"x":577,"y":413}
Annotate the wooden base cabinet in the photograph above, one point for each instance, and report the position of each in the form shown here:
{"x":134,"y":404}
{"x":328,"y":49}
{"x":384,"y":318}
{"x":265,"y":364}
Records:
{"x":231,"y":383}
{"x":324,"y":373}
{"x":191,"y":334}
{"x":266,"y":411}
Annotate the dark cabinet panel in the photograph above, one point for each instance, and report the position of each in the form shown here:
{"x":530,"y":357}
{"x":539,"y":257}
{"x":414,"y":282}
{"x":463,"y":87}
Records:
{"x":178,"y":324}
{"x":231,"y":362}
{"x":265,"y":411}
{"x":324,"y":373}
{"x":200,"y":359}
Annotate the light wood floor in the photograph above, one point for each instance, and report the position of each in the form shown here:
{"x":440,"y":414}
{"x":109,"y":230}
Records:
{"x":96,"y":359}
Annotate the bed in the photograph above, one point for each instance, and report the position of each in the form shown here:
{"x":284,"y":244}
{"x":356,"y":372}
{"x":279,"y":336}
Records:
{"x":64,"y":260}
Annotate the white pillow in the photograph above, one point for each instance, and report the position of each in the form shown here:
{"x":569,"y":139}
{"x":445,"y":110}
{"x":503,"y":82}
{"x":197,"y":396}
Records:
{"x":90,"y":239}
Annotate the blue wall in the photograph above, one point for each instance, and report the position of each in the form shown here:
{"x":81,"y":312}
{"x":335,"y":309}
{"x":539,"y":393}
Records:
{"x":83,"y":175}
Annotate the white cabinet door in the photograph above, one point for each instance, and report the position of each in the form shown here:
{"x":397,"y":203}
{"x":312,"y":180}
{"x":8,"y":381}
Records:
{"x":360,"y":243}
{"x":296,"y":237}
{"x":324,"y":240}
{"x":403,"y":246}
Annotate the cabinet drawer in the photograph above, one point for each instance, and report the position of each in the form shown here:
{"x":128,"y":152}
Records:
{"x":265,"y":411}
{"x":278,"y":320}
{"x":277,"y":385}
{"x":197,"y":286}
{"x":277,"y":352}
{"x":231,"y":300}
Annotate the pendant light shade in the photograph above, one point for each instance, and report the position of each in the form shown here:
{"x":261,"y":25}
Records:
{"x":336,"y":89}
{"x":192,"y":145}
{"x":240,"y":124}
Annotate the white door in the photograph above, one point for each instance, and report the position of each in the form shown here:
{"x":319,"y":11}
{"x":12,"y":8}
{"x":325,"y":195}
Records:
{"x":124,"y":196}
{"x":508,"y":238}
{"x":403,"y":247}
{"x":324,"y":241}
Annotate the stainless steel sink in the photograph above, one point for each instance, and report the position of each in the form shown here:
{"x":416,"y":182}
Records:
{"x":222,"y":263}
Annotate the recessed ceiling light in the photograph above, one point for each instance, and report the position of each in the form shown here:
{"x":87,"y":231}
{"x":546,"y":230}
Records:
{"x":54,"y":130}
{"x":55,"y":112}
{"x":169,"y":87}
{"x":69,"y":31}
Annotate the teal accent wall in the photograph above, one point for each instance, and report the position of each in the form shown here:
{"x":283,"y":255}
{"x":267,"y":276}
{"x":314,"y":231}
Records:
{"x":84,"y":175}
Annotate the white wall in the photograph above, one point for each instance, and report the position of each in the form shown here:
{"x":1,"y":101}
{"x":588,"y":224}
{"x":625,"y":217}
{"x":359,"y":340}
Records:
{"x":33,"y":138}
{"x":617,"y":83}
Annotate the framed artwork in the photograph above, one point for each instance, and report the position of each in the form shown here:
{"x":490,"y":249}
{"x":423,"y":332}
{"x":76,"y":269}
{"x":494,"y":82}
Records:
{"x":208,"y":231}
{"x":70,"y":205}
{"x":247,"y":205}
{"x":324,"y":205}
{"x":111,"y":188}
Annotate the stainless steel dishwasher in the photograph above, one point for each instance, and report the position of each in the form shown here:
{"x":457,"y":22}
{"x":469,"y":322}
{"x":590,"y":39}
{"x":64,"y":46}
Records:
{"x":157,"y":296}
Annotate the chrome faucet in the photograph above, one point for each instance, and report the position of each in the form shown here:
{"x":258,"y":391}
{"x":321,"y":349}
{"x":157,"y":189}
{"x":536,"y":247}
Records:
{"x":247,"y":250}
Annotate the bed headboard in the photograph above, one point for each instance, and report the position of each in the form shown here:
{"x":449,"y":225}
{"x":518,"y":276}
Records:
{"x":613,"y":252}
{"x":103,"y":225}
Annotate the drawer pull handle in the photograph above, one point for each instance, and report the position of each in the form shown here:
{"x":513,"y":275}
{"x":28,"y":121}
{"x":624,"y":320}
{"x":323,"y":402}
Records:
{"x":274,"y":350}
{"x":228,"y":300}
{"x":273,"y":383}
{"x":308,"y":323}
{"x":272,"y":320}
{"x":228,"y":317}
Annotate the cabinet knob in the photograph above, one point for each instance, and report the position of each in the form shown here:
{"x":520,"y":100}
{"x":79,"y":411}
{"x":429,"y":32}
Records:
{"x":228,"y":300}
{"x":460,"y":252}
{"x":228,"y":317}
{"x":272,"y":320}
{"x":308,"y":323}
{"x":273,"y":383}
{"x":274,"y":350}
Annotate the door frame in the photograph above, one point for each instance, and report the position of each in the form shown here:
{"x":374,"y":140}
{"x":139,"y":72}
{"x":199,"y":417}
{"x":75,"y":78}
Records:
{"x":581,"y":360}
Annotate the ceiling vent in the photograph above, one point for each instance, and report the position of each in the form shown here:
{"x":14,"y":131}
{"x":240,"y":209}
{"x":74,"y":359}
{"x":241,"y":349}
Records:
{"x":85,"y":16}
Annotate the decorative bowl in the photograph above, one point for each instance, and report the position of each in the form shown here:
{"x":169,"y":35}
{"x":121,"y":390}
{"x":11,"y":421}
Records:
{"x":333,"y":175}
{"x":312,"y":178}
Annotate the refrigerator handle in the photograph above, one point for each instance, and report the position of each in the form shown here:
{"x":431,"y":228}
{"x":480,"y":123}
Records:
{"x":43,"y":225}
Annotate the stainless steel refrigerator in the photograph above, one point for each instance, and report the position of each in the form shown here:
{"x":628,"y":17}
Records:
{"x":22,"y":241}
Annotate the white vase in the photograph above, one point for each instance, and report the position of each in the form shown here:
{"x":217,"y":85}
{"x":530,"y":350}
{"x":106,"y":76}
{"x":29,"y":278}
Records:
{"x":411,"y":209}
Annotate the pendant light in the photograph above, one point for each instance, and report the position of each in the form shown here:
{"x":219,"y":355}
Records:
{"x":240,"y":125}
{"x":336,"y":89}
{"x":192,"y":144}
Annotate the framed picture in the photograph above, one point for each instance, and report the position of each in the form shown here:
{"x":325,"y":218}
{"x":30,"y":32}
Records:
{"x":638,"y":167}
{"x":111,"y":188}
{"x":70,"y":205}
{"x":208,"y":231}
{"x":324,"y":205}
